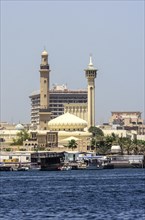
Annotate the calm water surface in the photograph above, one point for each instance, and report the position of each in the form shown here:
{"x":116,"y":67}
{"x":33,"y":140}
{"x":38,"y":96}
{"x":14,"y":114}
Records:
{"x":101,"y":194}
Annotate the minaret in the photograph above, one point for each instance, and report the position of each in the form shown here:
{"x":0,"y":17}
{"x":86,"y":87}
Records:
{"x":91,"y":74}
{"x":44,"y":113}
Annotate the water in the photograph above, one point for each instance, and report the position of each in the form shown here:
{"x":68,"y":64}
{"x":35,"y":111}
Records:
{"x":92,"y":194}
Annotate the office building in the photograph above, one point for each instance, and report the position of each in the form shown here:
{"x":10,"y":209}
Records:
{"x":59,"y":99}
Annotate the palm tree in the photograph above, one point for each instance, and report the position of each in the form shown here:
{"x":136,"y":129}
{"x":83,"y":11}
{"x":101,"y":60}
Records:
{"x":72,"y":144}
{"x":139,"y":147}
{"x":125,"y":144}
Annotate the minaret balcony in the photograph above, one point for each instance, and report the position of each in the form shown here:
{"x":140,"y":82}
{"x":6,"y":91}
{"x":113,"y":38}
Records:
{"x":44,"y":110}
{"x":42,"y":67}
{"x":91,"y":75}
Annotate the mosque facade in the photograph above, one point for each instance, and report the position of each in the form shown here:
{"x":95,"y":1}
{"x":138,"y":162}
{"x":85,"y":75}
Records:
{"x":44,"y":111}
{"x":67,"y":125}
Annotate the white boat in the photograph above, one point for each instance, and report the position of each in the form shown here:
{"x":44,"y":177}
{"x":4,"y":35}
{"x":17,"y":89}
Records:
{"x":22,"y":168}
{"x":35,"y":167}
{"x":65,"y":167}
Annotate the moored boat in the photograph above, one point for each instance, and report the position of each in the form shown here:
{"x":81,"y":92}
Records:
{"x":65,"y":167}
{"x":6,"y":168}
{"x":22,"y":168}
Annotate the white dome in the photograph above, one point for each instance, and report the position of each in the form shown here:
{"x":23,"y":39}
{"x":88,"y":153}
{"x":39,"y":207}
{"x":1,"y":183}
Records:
{"x":44,"y":53}
{"x":67,"y":122}
{"x":115,"y":149}
{"x":19,"y":127}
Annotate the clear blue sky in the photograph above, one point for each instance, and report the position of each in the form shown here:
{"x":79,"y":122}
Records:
{"x":113,"y":31}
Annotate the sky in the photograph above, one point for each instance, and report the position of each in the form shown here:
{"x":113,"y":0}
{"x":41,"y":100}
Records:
{"x":112,"y":31}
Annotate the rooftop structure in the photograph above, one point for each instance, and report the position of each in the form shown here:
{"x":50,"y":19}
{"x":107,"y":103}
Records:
{"x":67,"y":122}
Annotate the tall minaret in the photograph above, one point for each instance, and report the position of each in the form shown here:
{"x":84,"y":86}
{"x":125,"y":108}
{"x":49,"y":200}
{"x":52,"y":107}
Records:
{"x":91,"y":74}
{"x":44,"y":113}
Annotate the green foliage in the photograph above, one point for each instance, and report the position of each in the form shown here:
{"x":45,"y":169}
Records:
{"x":96,"y":131}
{"x":21,"y":136}
{"x":72,"y":144}
{"x":8,"y":149}
{"x":22,"y":149}
{"x":103,"y":144}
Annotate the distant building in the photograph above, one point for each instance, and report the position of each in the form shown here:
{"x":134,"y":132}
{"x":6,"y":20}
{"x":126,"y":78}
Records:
{"x":60,"y":95}
{"x":14,"y":158}
{"x":126,"y":118}
{"x":128,"y":121}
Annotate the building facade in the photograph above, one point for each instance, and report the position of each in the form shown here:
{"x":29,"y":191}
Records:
{"x":128,"y":121}
{"x":48,"y":104}
{"x":126,"y":118}
{"x":78,"y":109}
{"x":59,"y":96}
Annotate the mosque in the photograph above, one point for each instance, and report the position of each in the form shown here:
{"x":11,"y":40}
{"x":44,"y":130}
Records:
{"x":53,"y":133}
{"x":67,"y":126}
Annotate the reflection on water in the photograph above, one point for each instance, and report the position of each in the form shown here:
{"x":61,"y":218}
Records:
{"x":93,"y":194}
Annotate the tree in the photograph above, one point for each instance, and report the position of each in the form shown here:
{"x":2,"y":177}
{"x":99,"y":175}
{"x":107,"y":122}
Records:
{"x":96,"y":131}
{"x":21,"y":136}
{"x":111,"y":139}
{"x":138,"y":147}
{"x":72,"y":144}
{"x":101,"y":148}
{"x":97,"y":138}
{"x":126,"y":144}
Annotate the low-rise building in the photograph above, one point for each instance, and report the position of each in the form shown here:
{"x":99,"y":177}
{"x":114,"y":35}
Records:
{"x":15,"y":157}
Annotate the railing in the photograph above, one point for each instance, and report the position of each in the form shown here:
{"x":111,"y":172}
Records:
{"x":44,"y":110}
{"x":44,"y":67}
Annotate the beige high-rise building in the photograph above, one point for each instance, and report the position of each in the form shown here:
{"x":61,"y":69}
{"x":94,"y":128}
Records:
{"x":44,"y":112}
{"x":91,"y":74}
{"x":61,"y":101}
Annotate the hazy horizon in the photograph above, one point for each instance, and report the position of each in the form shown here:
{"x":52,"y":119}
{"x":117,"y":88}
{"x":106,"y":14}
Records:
{"x":113,"y":32}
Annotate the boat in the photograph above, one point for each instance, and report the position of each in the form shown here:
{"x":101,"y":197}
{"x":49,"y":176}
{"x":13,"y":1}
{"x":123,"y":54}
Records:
{"x":22,"y":168}
{"x":65,"y":167}
{"x":94,"y":165}
{"x":52,"y":161}
{"x":35,"y":167}
{"x":82,"y":166}
{"x":98,"y":163}
{"x":48,"y":161}
{"x":6,"y":168}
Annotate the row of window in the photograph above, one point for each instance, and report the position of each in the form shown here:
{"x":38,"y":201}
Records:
{"x":10,"y":158}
